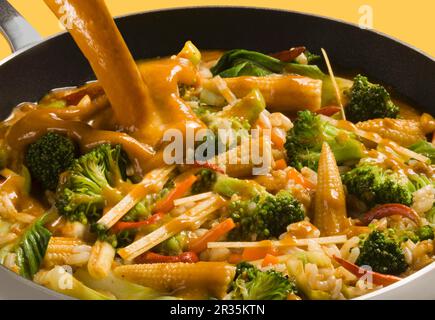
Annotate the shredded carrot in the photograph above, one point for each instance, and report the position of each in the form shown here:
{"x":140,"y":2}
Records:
{"x":214,"y":234}
{"x":235,"y":258}
{"x":298,"y":178}
{"x":280,"y":164}
{"x":167,"y":204}
{"x":121,"y":226}
{"x":277,"y":140}
{"x":269,"y":260}
{"x":256,"y":253}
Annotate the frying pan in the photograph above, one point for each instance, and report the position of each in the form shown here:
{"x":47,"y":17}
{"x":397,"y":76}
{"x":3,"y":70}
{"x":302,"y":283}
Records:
{"x":38,"y":66}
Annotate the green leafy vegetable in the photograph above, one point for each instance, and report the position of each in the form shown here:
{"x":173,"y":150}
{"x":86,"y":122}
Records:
{"x":31,"y":248}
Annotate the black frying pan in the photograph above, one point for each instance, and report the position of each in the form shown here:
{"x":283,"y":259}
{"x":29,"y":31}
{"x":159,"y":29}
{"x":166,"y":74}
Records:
{"x":57,"y":62}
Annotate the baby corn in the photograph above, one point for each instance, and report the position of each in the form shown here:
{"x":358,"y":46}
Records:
{"x":330,"y":203}
{"x":401,"y":131}
{"x":66,"y":251}
{"x":100,"y":260}
{"x":213,"y":277}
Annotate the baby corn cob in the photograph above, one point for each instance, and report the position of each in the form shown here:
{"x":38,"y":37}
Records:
{"x":66,"y":251}
{"x":213,"y":277}
{"x":330,"y":204}
{"x":281,"y":92}
{"x":191,"y":220}
{"x":401,"y":131}
{"x":100,"y":260}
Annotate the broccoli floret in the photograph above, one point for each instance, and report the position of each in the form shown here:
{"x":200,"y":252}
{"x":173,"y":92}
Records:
{"x":425,"y":148}
{"x":375,"y":185}
{"x":369,"y":101}
{"x":85,"y":185}
{"x":174,"y":246}
{"x":312,"y":58}
{"x":258,"y":214}
{"x":382,"y":253}
{"x":206,"y":180}
{"x":424,"y":233}
{"x":251,"y":283}
{"x":430,"y":216}
{"x":48,"y":157}
{"x":305,"y":139}
{"x":238,"y":117}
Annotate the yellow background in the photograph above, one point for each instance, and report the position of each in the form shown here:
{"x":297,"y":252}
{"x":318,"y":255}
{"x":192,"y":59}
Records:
{"x":410,"y":21}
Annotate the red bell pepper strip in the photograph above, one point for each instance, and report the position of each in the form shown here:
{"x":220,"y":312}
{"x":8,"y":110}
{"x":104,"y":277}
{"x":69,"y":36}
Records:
{"x":328,"y":111}
{"x":151,"y":257}
{"x":288,"y":55}
{"x":208,"y":165}
{"x":390,"y":209}
{"x":121,"y":225}
{"x":377,"y":278}
{"x":214,"y":234}
{"x":167,"y":203}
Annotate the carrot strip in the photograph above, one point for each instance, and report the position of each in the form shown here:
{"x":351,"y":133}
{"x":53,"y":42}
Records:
{"x":390,"y":209}
{"x":280,"y":164}
{"x":214,"y":234}
{"x":121,"y":226}
{"x":151,"y":257}
{"x":256,"y":253}
{"x":277,"y":140}
{"x":328,"y":111}
{"x":377,"y":278}
{"x":235,"y":258}
{"x":269,"y":260}
{"x":298,"y":178}
{"x":167,"y":204}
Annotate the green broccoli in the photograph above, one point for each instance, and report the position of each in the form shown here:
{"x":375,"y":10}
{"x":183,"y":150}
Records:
{"x":241,"y":116}
{"x":375,"y":185}
{"x":205,"y":182}
{"x":425,"y":148}
{"x":305,"y":139}
{"x":430,"y":216}
{"x":368,"y":101}
{"x":312,"y":58}
{"x":48,"y":157}
{"x":84,"y":187}
{"x":174,"y":246}
{"x":251,"y":283}
{"x":258,"y":214}
{"x":425,"y":233}
{"x":382,"y":252}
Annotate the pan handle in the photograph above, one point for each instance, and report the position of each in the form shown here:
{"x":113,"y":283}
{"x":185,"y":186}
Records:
{"x":17,"y":31}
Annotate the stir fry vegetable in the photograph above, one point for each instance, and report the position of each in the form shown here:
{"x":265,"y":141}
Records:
{"x":236,"y":175}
